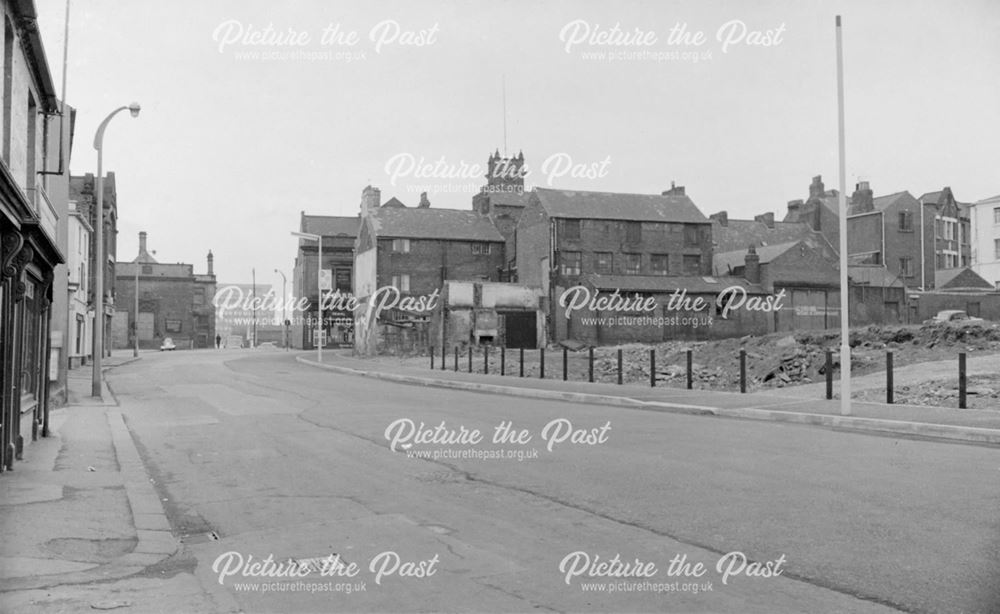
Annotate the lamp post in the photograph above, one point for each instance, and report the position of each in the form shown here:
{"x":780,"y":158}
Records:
{"x":135,"y":332}
{"x":284,"y":307}
{"x":319,"y":288}
{"x":100,"y":257}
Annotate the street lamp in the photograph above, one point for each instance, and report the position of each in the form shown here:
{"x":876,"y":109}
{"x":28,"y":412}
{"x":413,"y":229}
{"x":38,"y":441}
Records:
{"x":100,"y":257}
{"x":284,"y":307}
{"x":319,"y":288}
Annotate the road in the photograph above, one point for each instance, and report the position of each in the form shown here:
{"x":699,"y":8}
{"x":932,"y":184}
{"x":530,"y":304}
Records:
{"x":255,"y":454}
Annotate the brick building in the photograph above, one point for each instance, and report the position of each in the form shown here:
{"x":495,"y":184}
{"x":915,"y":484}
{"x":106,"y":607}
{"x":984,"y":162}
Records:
{"x":563,"y":236}
{"x":174,"y":302}
{"x":502,"y":200}
{"x":415,"y":250}
{"x":82,"y":189}
{"x":338,"y":236}
{"x":821,"y":211}
{"x":29,"y":231}
{"x":952,"y":230}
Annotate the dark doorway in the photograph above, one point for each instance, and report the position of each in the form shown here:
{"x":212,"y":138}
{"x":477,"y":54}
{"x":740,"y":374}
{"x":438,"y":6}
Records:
{"x":520,"y":329}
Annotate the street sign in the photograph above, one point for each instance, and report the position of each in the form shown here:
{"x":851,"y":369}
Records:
{"x":326,"y":279}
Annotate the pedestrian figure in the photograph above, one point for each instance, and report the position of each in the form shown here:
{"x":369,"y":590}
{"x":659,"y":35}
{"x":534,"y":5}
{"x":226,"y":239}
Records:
{"x":218,"y":341}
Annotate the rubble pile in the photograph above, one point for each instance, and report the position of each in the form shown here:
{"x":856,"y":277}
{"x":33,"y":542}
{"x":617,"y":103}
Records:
{"x":982,"y":392}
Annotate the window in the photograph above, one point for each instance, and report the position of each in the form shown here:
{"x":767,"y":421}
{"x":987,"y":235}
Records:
{"x":906,"y":267}
{"x":692,"y":265}
{"x":570,"y":229}
{"x":199,"y":296}
{"x":905,"y":221}
{"x":633,"y":264}
{"x":633,"y":232}
{"x":996,"y":249}
{"x":996,"y":215}
{"x":401,"y":282}
{"x":401,"y":246}
{"x":481,"y":249}
{"x":604,"y":263}
{"x":659,"y":264}
{"x":570,"y":262}
{"x":147,"y":269}
{"x":691,"y":235}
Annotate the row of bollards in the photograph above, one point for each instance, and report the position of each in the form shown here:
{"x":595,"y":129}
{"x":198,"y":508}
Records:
{"x":828,"y":369}
{"x":565,"y":364}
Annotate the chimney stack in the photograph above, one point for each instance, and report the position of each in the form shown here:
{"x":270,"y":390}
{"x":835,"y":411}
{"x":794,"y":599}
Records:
{"x":722,"y":217}
{"x":142,"y":242}
{"x":863,"y":199}
{"x":766,"y":218}
{"x":675,"y":190}
{"x":371,"y":199}
{"x":424,"y":203}
{"x":794,"y":206}
{"x":816,"y":188}
{"x":751,"y":268}
{"x":211,"y":263}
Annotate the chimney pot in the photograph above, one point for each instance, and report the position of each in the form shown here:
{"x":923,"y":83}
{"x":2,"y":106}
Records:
{"x":751,"y":265}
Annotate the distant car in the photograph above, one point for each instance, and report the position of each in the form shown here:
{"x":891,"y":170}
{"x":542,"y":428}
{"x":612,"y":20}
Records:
{"x":168,"y":345}
{"x":952,"y":315}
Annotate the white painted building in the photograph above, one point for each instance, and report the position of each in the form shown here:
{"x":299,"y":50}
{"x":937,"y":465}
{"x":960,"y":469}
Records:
{"x":985,"y":216}
{"x":79,"y":321}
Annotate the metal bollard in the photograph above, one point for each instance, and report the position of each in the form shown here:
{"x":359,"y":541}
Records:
{"x":486,"y":360}
{"x":961,"y":381}
{"x":565,"y":364}
{"x":652,"y":368}
{"x":456,"y":359}
{"x":590,"y":365}
{"x":619,"y":366}
{"x":888,"y":377}
{"x":432,"y":358}
{"x":743,"y":371}
{"x":690,"y":369}
{"x":541,"y":363}
{"x":503,"y":360}
{"x":522,"y":362}
{"x":470,"y":359}
{"x":443,"y":356}
{"x":828,"y":371}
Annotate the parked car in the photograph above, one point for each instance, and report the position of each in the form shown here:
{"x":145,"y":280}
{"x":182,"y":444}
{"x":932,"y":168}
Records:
{"x":168,"y":345}
{"x":952,"y":315}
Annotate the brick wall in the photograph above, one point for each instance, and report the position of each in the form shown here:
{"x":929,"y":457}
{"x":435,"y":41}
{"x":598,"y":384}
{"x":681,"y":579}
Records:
{"x":430,"y":262}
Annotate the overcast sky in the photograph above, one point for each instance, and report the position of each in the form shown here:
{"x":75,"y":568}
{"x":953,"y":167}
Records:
{"x":229,"y":148}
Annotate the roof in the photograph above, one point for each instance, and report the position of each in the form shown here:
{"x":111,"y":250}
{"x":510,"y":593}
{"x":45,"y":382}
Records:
{"x":431,"y":223}
{"x":331,"y":225}
{"x":509,"y":199}
{"x":724,"y":262}
{"x":740,"y":234}
{"x":877,"y":276}
{"x":931,"y":197}
{"x":959,"y":278}
{"x":668,"y":283}
{"x":616,"y":206}
{"x":988,"y":201}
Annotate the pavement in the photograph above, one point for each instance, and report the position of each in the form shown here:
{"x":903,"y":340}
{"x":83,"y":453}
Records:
{"x":80,"y":511}
{"x":800,"y":405}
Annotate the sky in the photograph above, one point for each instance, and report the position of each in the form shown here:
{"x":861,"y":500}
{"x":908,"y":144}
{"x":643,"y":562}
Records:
{"x":242,"y":127}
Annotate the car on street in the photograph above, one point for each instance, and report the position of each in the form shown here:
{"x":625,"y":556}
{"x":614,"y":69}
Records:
{"x":168,"y":345}
{"x":952,"y":315}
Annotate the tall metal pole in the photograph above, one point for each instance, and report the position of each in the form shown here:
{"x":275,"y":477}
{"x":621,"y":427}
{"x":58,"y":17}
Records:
{"x":100,"y":258}
{"x":253,"y":303}
{"x":845,"y":325}
{"x":319,"y":292}
{"x":284,"y":307}
{"x":135,"y":332}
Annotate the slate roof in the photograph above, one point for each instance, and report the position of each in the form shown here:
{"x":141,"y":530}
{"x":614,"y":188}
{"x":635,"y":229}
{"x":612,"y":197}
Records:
{"x":616,"y":206}
{"x":724,"y":262}
{"x":331,"y":225}
{"x":431,"y":223}
{"x":740,"y":234}
{"x":669,"y":283}
{"x":959,"y":278}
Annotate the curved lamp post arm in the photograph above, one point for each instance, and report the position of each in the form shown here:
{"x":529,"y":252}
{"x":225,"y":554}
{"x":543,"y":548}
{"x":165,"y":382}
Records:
{"x":99,"y":136}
